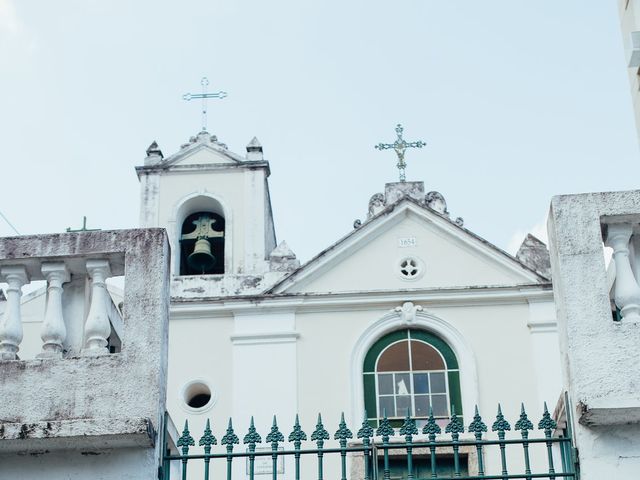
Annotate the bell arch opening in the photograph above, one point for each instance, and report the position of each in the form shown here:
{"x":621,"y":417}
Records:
{"x":201,"y":237}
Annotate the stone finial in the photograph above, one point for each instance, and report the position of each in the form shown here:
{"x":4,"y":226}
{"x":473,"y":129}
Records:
{"x":282,"y":258}
{"x":376,"y":204}
{"x":203,"y":137}
{"x":534,"y":254}
{"x":254,"y":150}
{"x":435,"y":201}
{"x":154,"y":154}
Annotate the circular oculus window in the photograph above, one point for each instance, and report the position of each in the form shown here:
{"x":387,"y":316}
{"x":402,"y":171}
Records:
{"x":410,"y":268}
{"x":197,"y":396}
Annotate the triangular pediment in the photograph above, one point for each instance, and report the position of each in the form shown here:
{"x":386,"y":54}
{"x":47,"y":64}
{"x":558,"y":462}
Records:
{"x":408,"y":246}
{"x":202,"y":154}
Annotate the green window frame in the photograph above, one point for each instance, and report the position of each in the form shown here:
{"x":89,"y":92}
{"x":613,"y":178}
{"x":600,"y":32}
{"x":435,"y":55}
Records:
{"x":376,"y":383}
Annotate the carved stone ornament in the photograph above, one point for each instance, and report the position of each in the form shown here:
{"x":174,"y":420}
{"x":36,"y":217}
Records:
{"x":376,"y":204}
{"x":408,"y":312}
{"x":436,"y":201}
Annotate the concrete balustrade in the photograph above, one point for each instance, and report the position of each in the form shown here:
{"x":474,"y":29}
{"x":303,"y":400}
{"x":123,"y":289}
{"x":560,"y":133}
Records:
{"x":92,"y":333}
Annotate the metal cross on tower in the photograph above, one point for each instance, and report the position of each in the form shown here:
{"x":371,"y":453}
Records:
{"x":204,"y":96}
{"x":400,"y":146}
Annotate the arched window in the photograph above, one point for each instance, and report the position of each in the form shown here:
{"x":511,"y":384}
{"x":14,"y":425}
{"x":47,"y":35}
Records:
{"x":411,"y":371}
{"x":202,"y":244}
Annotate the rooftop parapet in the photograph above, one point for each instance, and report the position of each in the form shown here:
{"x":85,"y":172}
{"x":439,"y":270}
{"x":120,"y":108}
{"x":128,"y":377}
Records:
{"x":598,"y":309}
{"x":101,"y":393}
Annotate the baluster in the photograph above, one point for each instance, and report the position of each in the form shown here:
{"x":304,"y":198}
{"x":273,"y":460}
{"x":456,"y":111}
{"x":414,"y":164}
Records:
{"x":432,"y":429}
{"x":524,"y":425}
{"x":206,"y":441}
{"x":385,"y":431}
{"x":409,"y":429}
{"x":500,"y":426}
{"x":343,"y":434}
{"x":229,"y":440}
{"x":365,"y":433}
{"x":548,"y":425}
{"x":297,"y":436}
{"x":455,"y":428}
{"x":185,"y":441}
{"x":319,"y":436}
{"x":627,"y":291}
{"x":477,"y":427}
{"x":251,"y":438}
{"x":11,"y":323}
{"x":274,"y":437}
{"x":54,"y":332}
{"x":97,"y":326}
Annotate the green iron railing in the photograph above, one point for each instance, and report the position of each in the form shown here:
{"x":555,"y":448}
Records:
{"x":375,"y":449}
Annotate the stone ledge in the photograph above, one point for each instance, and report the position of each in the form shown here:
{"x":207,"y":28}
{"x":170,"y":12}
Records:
{"x":81,"y":434}
{"x":610,"y":411}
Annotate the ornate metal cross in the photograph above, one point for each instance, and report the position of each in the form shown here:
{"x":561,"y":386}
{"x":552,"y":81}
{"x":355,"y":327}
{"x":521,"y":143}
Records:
{"x":204,"y":96}
{"x":400,"y":146}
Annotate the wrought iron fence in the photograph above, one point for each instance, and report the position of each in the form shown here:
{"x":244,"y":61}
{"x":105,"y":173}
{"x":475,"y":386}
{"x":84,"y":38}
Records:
{"x":376,"y":448}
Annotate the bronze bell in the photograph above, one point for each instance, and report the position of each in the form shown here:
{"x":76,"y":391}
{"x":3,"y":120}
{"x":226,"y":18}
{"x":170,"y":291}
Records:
{"x":201,"y":259}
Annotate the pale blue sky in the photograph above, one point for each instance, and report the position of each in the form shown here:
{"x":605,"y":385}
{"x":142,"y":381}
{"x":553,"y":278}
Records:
{"x":517,"y":101}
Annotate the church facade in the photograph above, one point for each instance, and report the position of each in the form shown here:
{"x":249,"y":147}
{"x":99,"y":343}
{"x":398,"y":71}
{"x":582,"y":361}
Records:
{"x":408,"y":313}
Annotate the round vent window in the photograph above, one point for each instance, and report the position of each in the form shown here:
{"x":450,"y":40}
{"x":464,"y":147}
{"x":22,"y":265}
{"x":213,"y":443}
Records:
{"x":410,"y":268}
{"x":197,"y":396}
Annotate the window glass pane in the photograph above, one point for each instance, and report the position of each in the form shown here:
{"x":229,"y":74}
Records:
{"x":421,"y":383}
{"x":403,"y":384}
{"x":422,"y":405}
{"x":395,"y":358}
{"x":438,"y":384}
{"x":425,"y":357}
{"x":439,"y":404}
{"x":403,"y":405}
{"x":386,"y":406}
{"x":385,"y":383}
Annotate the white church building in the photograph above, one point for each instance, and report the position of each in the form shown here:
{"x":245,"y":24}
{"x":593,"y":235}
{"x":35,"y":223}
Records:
{"x":409,"y":287}
{"x":148,"y":353}
{"x":409,"y":313}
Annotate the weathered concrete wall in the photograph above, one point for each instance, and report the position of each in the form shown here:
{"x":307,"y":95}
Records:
{"x":92,"y":404}
{"x":601,"y":357}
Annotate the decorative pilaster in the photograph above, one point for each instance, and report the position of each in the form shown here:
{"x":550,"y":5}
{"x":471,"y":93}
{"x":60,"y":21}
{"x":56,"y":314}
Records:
{"x":11,"y":323}
{"x":627,"y":291}
{"x":97,"y":328}
{"x":54,"y":331}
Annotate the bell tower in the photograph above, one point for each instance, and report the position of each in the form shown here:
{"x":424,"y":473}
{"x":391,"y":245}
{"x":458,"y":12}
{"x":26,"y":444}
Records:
{"x":216,"y":208}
